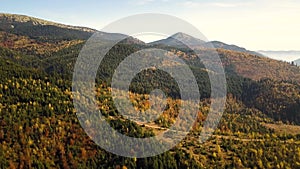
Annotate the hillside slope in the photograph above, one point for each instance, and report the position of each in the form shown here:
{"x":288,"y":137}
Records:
{"x":256,"y":68}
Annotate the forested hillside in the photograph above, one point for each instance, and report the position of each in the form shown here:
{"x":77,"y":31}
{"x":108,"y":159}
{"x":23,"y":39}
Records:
{"x":39,"y":127}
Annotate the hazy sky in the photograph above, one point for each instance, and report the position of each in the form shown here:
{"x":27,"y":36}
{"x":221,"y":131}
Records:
{"x":254,"y":24}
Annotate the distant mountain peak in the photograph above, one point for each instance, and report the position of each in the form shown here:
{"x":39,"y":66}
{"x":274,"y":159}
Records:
{"x":181,"y":35}
{"x":179,"y":40}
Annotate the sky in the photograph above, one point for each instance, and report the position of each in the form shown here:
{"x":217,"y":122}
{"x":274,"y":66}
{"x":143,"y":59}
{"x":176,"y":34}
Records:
{"x":253,"y":24}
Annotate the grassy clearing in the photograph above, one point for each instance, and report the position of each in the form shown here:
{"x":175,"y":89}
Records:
{"x":283,"y":128}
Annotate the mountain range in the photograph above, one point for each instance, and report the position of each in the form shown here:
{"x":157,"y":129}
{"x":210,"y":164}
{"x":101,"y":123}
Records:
{"x":39,"y":127}
{"x":53,"y":48}
{"x":282,"y":55}
{"x":297,"y":61}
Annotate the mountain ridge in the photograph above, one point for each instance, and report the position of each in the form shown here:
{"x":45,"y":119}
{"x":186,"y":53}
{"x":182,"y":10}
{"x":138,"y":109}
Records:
{"x":285,"y":55}
{"x":36,"y":21}
{"x":177,"y":39}
{"x":172,"y":41}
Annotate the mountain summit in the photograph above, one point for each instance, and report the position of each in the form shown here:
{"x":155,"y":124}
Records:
{"x":177,"y":40}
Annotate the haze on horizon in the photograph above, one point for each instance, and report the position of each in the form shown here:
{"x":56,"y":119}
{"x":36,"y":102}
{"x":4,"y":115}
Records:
{"x":255,"y":24}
